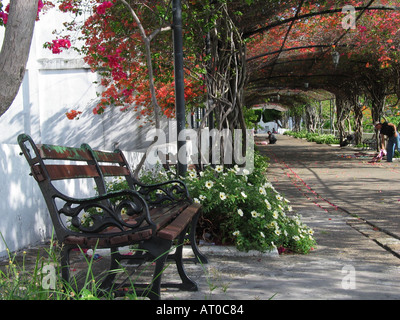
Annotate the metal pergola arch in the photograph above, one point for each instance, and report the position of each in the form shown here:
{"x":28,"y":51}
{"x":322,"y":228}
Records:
{"x":256,"y":83}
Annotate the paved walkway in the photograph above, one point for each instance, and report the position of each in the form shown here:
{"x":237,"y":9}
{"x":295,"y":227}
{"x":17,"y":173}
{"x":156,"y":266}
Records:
{"x":351,"y":204}
{"x":335,"y":178}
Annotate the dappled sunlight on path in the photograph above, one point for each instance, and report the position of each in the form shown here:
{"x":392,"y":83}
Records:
{"x":334,"y":178}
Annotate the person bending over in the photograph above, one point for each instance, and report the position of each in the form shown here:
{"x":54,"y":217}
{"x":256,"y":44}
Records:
{"x":389,"y":130}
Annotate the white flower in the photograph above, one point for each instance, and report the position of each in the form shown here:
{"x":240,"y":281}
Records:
{"x":310,"y":231}
{"x":261,"y":190}
{"x":262,"y":234}
{"x":236,"y":233}
{"x":192,"y":174}
{"x":273,"y":224}
{"x":267,"y":185}
{"x":209,"y":184}
{"x":277,"y":232}
{"x":195,"y":200}
{"x":295,"y":238}
{"x":279,"y":197}
{"x":254,"y":214}
{"x":243,"y":194}
{"x":124,"y":211}
{"x":268,"y":204}
{"x":246,"y":172}
{"x":99,"y":209}
{"x":240,"y":212}
{"x":222,"y":195}
{"x":275,"y":214}
{"x":290,"y":208}
{"x":219,"y":168}
{"x":202,"y":197}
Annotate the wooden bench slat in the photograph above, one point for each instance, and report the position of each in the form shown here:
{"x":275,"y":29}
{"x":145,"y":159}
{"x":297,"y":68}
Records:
{"x":174,"y":229}
{"x":116,"y":240}
{"x":114,"y":171}
{"x":60,"y":172}
{"x":103,"y":156}
{"x":63,"y":153}
{"x":161,"y":216}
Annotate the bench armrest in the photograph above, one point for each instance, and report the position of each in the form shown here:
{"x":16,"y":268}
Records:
{"x":125,"y":210}
{"x":164,"y":192}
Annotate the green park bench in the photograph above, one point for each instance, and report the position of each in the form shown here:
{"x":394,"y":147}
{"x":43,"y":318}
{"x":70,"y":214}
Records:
{"x":154,"y":218}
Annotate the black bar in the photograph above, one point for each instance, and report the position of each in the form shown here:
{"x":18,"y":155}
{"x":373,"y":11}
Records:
{"x":179,"y":77}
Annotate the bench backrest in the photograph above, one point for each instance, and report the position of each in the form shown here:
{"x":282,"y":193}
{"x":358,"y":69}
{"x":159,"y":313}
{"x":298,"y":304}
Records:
{"x":51,"y":163}
{"x":95,"y":164}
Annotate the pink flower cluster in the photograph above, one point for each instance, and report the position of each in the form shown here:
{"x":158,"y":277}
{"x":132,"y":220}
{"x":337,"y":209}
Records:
{"x":57,"y":44}
{"x":101,"y":9}
{"x":4,"y":17}
{"x":4,"y":14}
{"x":66,"y":6}
{"x":114,"y":63}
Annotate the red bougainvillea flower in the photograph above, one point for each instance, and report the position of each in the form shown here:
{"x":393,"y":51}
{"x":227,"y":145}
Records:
{"x":57,"y":45}
{"x":101,"y":9}
{"x":73,"y":114}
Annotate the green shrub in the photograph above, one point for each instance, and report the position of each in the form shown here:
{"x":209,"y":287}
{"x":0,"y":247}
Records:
{"x":244,"y":210}
{"x":314,"y":137}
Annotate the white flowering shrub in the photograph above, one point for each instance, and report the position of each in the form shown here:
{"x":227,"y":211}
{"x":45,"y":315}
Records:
{"x":244,"y":210}
{"x":247,"y":210}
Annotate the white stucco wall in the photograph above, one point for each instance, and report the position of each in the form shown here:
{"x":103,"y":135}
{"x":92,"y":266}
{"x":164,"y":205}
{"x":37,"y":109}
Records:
{"x":24,"y":218}
{"x":53,"y":85}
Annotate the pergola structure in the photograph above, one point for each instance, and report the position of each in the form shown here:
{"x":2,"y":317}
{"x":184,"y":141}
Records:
{"x":299,"y":50}
{"x":314,"y":48}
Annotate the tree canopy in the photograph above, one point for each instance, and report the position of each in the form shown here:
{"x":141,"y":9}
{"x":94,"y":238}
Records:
{"x":238,"y":52}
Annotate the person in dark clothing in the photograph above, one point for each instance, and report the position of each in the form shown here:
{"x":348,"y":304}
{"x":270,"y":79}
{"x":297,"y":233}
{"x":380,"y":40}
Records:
{"x":389,"y":130}
{"x":347,"y":141}
{"x":271,"y":138}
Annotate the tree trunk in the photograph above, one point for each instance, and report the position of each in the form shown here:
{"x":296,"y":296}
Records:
{"x":312,"y":118}
{"x":226,"y":77}
{"x":377,"y":93}
{"x":342,"y":113}
{"x":15,"y":50}
{"x":358,"y":118}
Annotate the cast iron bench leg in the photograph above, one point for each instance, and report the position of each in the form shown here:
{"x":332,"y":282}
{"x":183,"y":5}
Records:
{"x":187,"y":283}
{"x":199,"y":256}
